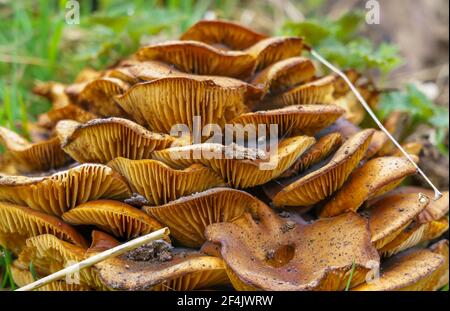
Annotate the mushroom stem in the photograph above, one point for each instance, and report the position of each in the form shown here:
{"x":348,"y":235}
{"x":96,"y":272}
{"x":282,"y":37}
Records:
{"x":437,"y":193}
{"x":115,"y":251}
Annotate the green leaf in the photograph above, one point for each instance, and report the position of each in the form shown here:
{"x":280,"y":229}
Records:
{"x":348,"y":24}
{"x":421,"y":109}
{"x":313,"y":31}
{"x":339,"y":41}
{"x":33,"y":271}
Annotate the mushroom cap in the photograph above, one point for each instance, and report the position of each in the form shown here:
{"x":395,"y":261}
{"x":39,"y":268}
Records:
{"x":271,"y":253}
{"x":242,"y":169}
{"x":186,"y":270}
{"x":321,"y":183}
{"x":413,"y":270}
{"x":271,"y":50}
{"x":379,"y":139}
{"x":101,"y":241}
{"x":20,"y":223}
{"x":293,"y":120}
{"x":162,"y":103}
{"x":325,"y":146}
{"x":98,"y":96}
{"x":200,"y":58}
{"x":284,"y":74}
{"x":159,"y":183}
{"x":393,"y":214}
{"x":102,"y":140}
{"x":120,"y":219}
{"x":413,"y":148}
{"x":224,"y":34}
{"x":441,"y":248}
{"x":22,"y":277}
{"x":435,"y":210}
{"x":54,"y":92}
{"x":188,"y":216}
{"x":414,"y":235}
{"x":397,"y":124}
{"x":68,"y":112}
{"x":57,"y":193}
{"x":50,"y":254}
{"x":148,"y":71}
{"x":32,"y":157}
{"x":372,"y":179}
{"x":319,"y":91}
{"x":428,"y":225}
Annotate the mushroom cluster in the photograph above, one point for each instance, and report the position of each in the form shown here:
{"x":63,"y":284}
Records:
{"x":326,"y":211}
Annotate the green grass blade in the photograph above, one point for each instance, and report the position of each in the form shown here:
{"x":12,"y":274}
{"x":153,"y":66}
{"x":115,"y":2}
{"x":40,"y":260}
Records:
{"x":350,"y":277}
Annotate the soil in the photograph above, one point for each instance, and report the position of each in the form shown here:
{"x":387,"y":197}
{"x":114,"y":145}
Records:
{"x":155,"y":251}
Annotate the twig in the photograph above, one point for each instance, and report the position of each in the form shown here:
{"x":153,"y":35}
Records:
{"x":115,"y":251}
{"x":437,"y":193}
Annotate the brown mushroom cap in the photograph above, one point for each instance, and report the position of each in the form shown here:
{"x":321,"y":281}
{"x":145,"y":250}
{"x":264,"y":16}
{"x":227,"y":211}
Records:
{"x":414,"y":270}
{"x":319,"y":91}
{"x":271,"y":253}
{"x":429,"y":224}
{"x":62,"y":108}
{"x":68,"y":112}
{"x":200,"y":58}
{"x":441,"y":248}
{"x":148,"y":71}
{"x":293,"y":120}
{"x":374,"y":178}
{"x":285,"y":74}
{"x":160,"y":104}
{"x":271,"y":50}
{"x":50,"y":254}
{"x":115,"y":217}
{"x":98,"y":97}
{"x":391,"y":215}
{"x":413,"y":148}
{"x":434,"y":211}
{"x":379,"y":139}
{"x":414,"y":235}
{"x":18,"y":223}
{"x":54,"y":92}
{"x":354,"y":112}
{"x":222,"y":33}
{"x":347,"y":129}
{"x":186,"y":270}
{"x":32,"y":157}
{"x":57,"y":193}
{"x":325,"y":146}
{"x":319,"y":184}
{"x":396,"y":123}
{"x":239,"y":172}
{"x":188,"y":216}
{"x":159,"y":183}
{"x":102,"y":140}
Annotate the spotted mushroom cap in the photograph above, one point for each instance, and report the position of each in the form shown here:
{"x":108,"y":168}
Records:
{"x":267,"y":252}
